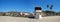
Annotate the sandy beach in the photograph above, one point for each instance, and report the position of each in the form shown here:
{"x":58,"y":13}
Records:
{"x":21,"y":19}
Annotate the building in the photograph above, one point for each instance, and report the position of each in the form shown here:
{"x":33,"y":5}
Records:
{"x":18,"y":14}
{"x":26,"y":14}
{"x":38,"y":12}
{"x":12,"y":13}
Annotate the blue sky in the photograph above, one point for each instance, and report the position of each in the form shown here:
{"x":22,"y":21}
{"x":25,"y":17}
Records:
{"x":27,"y":5}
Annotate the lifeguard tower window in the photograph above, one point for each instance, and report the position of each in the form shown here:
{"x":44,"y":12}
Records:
{"x":38,"y":8}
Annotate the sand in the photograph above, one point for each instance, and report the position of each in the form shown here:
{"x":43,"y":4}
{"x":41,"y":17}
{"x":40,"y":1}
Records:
{"x":21,"y":19}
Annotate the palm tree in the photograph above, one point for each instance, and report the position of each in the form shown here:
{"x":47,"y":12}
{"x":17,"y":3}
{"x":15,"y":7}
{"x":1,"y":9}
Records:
{"x":51,"y":7}
{"x":47,"y":7}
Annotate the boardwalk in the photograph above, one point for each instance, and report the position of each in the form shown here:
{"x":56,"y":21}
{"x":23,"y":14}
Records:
{"x":21,"y":19}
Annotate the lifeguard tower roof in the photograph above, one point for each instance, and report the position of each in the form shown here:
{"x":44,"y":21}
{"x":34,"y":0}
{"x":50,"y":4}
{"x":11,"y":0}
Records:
{"x":38,"y":8}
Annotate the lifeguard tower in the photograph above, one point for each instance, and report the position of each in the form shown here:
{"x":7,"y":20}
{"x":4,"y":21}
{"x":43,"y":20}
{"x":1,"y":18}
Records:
{"x":38,"y":11}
